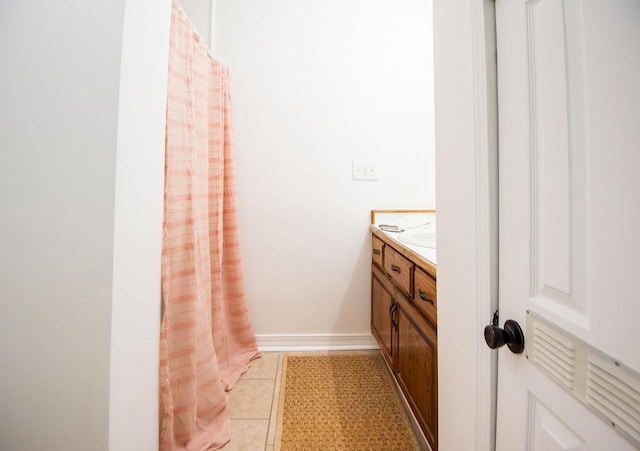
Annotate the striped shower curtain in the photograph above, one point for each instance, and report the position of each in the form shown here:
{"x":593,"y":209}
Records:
{"x":207,"y":339}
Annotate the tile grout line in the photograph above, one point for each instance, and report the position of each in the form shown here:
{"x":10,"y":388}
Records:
{"x":273,"y":389}
{"x":274,"y":403}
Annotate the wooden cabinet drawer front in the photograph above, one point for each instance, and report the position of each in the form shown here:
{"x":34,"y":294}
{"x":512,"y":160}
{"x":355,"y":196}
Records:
{"x":425,"y":298}
{"x":399,"y":268}
{"x":376,"y":252}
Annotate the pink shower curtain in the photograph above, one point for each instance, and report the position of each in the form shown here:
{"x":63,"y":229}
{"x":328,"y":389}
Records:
{"x":207,"y":339}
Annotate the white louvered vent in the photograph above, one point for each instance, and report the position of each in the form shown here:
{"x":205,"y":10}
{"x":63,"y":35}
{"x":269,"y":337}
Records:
{"x":605,"y":386}
{"x":615,"y":394}
{"x":554,"y":353}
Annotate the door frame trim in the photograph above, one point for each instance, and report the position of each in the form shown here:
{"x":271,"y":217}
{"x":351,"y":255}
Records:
{"x":486,"y":150}
{"x":467,"y":204}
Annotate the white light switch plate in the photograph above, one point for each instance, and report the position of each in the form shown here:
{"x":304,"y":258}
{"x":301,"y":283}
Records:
{"x":364,"y":170}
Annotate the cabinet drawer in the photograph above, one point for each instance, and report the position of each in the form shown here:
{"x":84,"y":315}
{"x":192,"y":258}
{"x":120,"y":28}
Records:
{"x":376,"y":252}
{"x":425,"y":298}
{"x":400,"y":269}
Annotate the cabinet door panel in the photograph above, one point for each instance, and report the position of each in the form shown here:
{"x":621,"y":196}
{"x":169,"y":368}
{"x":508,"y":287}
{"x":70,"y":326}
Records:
{"x":381,"y":301}
{"x":416,"y":366}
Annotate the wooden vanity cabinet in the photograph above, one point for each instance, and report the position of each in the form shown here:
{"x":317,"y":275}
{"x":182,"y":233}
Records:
{"x":404,"y":322}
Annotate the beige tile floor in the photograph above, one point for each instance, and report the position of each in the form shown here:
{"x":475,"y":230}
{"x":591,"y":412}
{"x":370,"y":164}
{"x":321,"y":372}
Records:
{"x":253,"y":405}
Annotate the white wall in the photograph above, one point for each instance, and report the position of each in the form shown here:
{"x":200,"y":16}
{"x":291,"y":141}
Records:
{"x":314,"y":86}
{"x":60,"y":148}
{"x":58,"y":129}
{"x":199,"y":11}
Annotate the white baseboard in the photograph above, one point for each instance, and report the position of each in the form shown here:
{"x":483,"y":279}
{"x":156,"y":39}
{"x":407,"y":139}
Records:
{"x":316,"y":342}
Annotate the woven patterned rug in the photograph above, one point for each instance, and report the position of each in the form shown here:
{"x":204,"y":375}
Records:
{"x":341,"y":402}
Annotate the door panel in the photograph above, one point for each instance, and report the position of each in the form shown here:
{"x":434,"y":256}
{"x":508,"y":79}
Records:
{"x":556,"y":151}
{"x":569,"y":148}
{"x":549,"y":431}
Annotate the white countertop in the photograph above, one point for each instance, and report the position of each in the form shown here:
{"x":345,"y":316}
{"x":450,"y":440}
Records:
{"x":409,"y":221}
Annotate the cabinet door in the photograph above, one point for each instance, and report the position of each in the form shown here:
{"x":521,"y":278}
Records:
{"x":381,"y":301}
{"x":416,"y":366}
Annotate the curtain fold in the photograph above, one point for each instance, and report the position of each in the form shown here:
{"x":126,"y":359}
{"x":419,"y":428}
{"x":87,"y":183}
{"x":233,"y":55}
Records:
{"x":207,"y":338}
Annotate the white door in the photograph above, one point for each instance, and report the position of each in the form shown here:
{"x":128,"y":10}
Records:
{"x":569,"y":176}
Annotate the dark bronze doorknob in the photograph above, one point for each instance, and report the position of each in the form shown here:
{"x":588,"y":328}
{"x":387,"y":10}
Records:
{"x":511,"y":335}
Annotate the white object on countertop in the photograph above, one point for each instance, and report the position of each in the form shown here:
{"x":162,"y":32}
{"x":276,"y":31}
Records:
{"x":397,"y":228}
{"x":404,"y":221}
